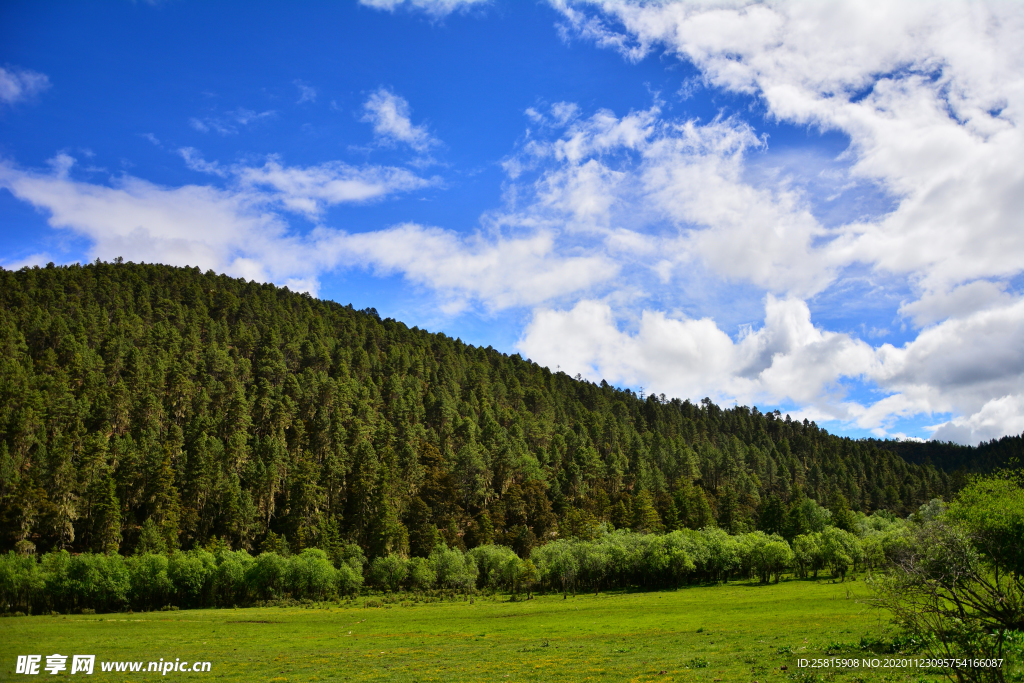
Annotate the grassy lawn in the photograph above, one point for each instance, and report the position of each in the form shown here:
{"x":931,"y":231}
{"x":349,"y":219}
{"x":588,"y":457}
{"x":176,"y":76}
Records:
{"x":742,"y":632}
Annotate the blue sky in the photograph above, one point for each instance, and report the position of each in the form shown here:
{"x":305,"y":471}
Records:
{"x":815,"y":208}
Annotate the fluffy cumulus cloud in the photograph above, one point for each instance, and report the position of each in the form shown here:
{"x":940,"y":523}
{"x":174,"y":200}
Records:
{"x":971,"y":366}
{"x":242,"y":228}
{"x":997,"y":417}
{"x":389,"y":114}
{"x":195,"y":225}
{"x":670,"y":194}
{"x":929,"y":98}
{"x":788,"y":356}
{"x":500,"y":272}
{"x":18,"y":84}
{"x":437,"y":8}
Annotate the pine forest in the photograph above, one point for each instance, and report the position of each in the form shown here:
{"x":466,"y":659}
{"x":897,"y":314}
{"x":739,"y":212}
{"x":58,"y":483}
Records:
{"x":151,"y":408}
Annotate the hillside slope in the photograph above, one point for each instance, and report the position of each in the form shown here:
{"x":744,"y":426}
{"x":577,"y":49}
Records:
{"x":145,"y":405}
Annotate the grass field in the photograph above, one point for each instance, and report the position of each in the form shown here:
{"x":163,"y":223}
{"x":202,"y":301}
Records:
{"x":736,"y":632}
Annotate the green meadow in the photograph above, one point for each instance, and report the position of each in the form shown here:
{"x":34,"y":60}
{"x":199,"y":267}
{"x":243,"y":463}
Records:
{"x":733,"y":632}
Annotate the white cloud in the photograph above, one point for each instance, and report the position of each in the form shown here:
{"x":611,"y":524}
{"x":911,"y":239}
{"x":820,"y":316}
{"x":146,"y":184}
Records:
{"x":787,"y":358}
{"x":437,"y":8}
{"x":307,"y":93}
{"x":930,"y":98}
{"x":61,"y":164}
{"x":998,"y":417}
{"x":962,"y":362}
{"x":311,"y":190}
{"x":957,"y":302}
{"x":954,"y":367}
{"x":37,"y":259}
{"x":389,"y":114}
{"x":230,"y":122}
{"x":18,"y":84}
{"x":500,"y":272}
{"x":195,"y":161}
{"x":679,"y":187}
{"x":240,"y":231}
{"x":236,"y":230}
{"x":190,"y":225}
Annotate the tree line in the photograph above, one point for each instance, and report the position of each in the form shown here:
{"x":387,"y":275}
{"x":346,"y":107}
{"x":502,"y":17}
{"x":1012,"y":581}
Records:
{"x":606,"y":559}
{"x":146,"y":409}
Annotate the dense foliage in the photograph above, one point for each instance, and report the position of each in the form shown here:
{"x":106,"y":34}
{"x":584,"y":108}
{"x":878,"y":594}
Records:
{"x":195,"y":578}
{"x":217,"y":576}
{"x":958,"y":581}
{"x":145,"y":409}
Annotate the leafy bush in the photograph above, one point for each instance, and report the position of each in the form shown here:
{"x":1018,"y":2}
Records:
{"x":452,"y":568}
{"x":388,"y":572}
{"x":311,"y":575}
{"x":150,"y":585}
{"x":957,"y":587}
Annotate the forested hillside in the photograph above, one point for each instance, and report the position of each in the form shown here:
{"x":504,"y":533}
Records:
{"x":145,"y":407}
{"x":951,"y":457}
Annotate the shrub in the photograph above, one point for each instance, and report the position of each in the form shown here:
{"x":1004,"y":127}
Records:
{"x":311,"y":575}
{"x":348,"y":581}
{"x":229,"y":579}
{"x":489,"y":560}
{"x":265,"y":577}
{"x":192,"y":574}
{"x":150,"y":585}
{"x":420,"y":576}
{"x":388,"y":572}
{"x":21,"y":582}
{"x":452,"y":568}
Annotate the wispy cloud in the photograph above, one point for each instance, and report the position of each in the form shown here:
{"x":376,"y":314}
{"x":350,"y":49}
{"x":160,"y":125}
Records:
{"x":307,"y":93}
{"x":230,"y":122}
{"x":194,"y":160}
{"x":17,"y":84}
{"x":437,"y":8}
{"x":390,"y":116}
{"x":37,"y":259}
{"x":311,"y":190}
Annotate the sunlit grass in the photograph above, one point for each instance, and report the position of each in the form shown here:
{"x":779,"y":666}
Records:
{"x":735,"y":632}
